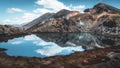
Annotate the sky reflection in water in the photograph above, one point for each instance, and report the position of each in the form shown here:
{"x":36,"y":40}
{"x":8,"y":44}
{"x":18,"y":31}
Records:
{"x":33,"y":46}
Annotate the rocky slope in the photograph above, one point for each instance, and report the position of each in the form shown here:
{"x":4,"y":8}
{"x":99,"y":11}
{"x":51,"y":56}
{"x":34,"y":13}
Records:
{"x":101,"y":7}
{"x":39,"y":20}
{"x":58,"y":25}
{"x":107,"y":24}
{"x":8,"y":30}
{"x":61,"y":13}
{"x":58,"y":22}
{"x":74,"y":21}
{"x":101,"y":19}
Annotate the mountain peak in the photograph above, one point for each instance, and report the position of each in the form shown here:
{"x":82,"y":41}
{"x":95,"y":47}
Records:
{"x":102,"y":7}
{"x":63,"y":10}
{"x":101,"y":4}
{"x":61,"y":13}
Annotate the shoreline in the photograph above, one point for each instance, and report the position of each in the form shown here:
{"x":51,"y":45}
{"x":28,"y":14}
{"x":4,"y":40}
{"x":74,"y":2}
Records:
{"x":75,"y":60}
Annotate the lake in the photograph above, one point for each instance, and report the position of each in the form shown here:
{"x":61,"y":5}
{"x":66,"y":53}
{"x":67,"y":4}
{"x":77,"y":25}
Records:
{"x":53,"y":44}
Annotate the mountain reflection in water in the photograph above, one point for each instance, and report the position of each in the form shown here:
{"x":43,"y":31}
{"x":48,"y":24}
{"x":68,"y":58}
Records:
{"x":52,"y":44}
{"x":86,"y":40}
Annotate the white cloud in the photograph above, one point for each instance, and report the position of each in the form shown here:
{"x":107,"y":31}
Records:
{"x":41,"y":10}
{"x":27,"y":17}
{"x":49,"y":6}
{"x":77,"y":8}
{"x":52,"y":4}
{"x":15,"y":42}
{"x":54,"y":49}
{"x":31,"y":38}
{"x":36,"y":40}
{"x":14,"y":10}
{"x":50,"y":48}
{"x":57,"y":5}
{"x":42,"y":43}
{"x":45,"y":48}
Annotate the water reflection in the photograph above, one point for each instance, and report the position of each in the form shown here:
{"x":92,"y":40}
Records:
{"x":51,"y":44}
{"x":33,"y":46}
{"x":86,"y":40}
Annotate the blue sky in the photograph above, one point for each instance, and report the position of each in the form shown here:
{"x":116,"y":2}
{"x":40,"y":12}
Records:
{"x":19,"y":12}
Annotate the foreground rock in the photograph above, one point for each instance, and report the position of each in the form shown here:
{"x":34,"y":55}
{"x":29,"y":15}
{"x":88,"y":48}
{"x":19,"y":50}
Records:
{"x":114,"y":61}
{"x":98,"y":58}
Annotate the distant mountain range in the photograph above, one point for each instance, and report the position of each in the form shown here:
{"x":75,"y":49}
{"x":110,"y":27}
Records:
{"x":102,"y":18}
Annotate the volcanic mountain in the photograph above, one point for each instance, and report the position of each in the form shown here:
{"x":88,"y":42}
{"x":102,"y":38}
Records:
{"x":74,"y":21}
{"x":101,"y":7}
{"x":38,"y":21}
{"x":102,"y":19}
{"x":55,"y":22}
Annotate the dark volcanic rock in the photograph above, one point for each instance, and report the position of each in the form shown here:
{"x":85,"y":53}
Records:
{"x":58,"y":25}
{"x":85,"y":21}
{"x":101,"y":7}
{"x":8,"y":30}
{"x":2,"y":49}
{"x":114,"y":55}
{"x":114,"y":61}
{"x":109,"y":24}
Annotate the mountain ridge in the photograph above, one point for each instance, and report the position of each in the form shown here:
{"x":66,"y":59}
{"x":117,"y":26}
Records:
{"x":92,"y":20}
{"x":102,"y":7}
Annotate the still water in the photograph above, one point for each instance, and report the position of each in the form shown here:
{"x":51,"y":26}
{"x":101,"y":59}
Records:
{"x":52,"y":44}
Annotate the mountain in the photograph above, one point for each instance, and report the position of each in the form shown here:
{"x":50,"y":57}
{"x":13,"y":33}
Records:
{"x":101,"y":19}
{"x":61,"y":13}
{"x":57,"y":22}
{"x":58,"y":25}
{"x":8,"y":30}
{"x":38,"y":21}
{"x":101,"y":7}
{"x":107,"y":24}
{"x":107,"y":19}
{"x":46,"y":17}
{"x":74,"y":21}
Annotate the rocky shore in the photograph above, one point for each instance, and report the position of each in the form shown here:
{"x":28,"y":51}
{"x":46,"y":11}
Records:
{"x":99,"y":58}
